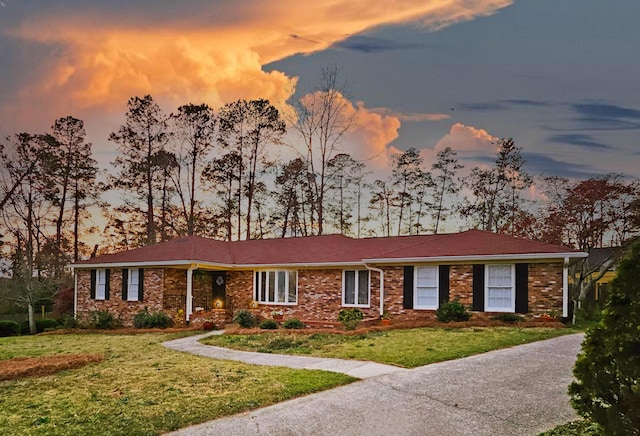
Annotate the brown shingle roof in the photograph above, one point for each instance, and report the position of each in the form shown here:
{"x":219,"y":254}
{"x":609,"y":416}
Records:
{"x":330,"y":249}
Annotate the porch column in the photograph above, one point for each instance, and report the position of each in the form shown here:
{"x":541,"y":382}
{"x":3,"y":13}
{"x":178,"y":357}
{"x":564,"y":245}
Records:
{"x":565,"y":288}
{"x":379,"y":271}
{"x":189,"y":302}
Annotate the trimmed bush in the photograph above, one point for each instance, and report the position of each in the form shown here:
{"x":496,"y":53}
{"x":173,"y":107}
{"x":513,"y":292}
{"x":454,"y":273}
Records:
{"x":245,"y":319}
{"x":350,"y":318}
{"x":42,"y":325}
{"x":103,"y":319}
{"x":146,"y":320}
{"x":293,"y":323}
{"x":508,"y":317}
{"x":9,"y":328}
{"x":607,"y":370}
{"x":268,"y":324}
{"x":452,"y":311}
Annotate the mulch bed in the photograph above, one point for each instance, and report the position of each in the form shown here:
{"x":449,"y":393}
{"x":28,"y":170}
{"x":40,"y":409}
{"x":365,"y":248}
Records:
{"x":397,"y":325}
{"x":21,"y":367}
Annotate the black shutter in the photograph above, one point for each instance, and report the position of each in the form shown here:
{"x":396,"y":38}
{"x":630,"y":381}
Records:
{"x":478,"y":288}
{"x":407,"y":288}
{"x":107,"y":283}
{"x":443,"y":283}
{"x":522,"y":287}
{"x":140,"y":284}
{"x":92,"y":287}
{"x":125,"y":284}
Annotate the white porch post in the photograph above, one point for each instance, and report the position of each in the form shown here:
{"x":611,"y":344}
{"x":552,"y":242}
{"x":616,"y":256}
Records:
{"x":565,"y":288}
{"x":189,"y":302}
{"x":381,"y":273}
{"x":75,"y":293}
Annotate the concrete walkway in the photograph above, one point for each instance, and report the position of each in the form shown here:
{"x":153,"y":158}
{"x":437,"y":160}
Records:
{"x":354,"y":368}
{"x":515,"y":391}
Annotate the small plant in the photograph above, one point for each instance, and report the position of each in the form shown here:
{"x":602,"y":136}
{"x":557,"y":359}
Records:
{"x":350,"y":318}
{"x":146,"y":320}
{"x":245,"y":319}
{"x":452,"y":311}
{"x":42,"y":325}
{"x":508,"y":317}
{"x":208,"y":325}
{"x":293,"y":323}
{"x":103,"y":319}
{"x":9,"y":328}
{"x":268,"y":324}
{"x":277,"y":314}
{"x":386,"y":315}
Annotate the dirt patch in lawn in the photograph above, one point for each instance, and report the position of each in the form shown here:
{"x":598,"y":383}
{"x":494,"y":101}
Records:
{"x":21,"y":367}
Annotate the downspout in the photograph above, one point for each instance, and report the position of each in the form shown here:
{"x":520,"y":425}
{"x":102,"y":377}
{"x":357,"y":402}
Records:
{"x":189,"y":302}
{"x":75,"y":293}
{"x":565,"y":288}
{"x":379,"y":271}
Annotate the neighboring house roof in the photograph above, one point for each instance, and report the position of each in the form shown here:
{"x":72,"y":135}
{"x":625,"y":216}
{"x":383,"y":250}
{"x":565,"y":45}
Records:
{"x":598,"y":256}
{"x":332,"y":250}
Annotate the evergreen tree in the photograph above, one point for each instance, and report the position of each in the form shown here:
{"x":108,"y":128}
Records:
{"x":607,"y":389}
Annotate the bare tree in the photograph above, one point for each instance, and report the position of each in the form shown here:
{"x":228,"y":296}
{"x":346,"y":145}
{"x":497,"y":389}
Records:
{"x":324,"y":116}
{"x":140,"y":139}
{"x":445,"y":184}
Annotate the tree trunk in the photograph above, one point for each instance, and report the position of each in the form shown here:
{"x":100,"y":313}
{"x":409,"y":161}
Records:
{"x":32,"y":319}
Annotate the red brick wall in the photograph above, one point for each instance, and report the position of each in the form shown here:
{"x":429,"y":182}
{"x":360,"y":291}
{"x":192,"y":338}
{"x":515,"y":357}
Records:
{"x":152,"y":295}
{"x":319,"y":293}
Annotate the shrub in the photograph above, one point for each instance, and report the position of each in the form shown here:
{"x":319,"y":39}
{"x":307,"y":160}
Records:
{"x":9,"y":328}
{"x":42,"y":325}
{"x":244,"y":318}
{"x":350,"y":318}
{"x":293,"y":323}
{"x":607,"y":370}
{"x":508,"y":317}
{"x":146,"y":320}
{"x":268,"y":324}
{"x":68,"y":322}
{"x":208,"y":325}
{"x":452,"y":311}
{"x":103,"y":319}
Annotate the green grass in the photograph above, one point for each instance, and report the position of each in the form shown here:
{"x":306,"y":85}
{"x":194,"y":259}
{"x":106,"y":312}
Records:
{"x":406,"y":348}
{"x":141,"y":388}
{"x":575,"y":428}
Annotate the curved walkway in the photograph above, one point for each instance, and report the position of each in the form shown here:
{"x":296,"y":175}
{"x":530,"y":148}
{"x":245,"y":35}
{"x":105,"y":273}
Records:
{"x":515,"y":391}
{"x":354,"y":368}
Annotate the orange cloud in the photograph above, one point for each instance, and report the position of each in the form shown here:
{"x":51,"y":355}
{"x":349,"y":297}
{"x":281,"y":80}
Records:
{"x":203,"y":51}
{"x":467,"y":138}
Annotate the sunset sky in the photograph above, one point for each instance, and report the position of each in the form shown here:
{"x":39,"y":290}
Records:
{"x":559,"y":76}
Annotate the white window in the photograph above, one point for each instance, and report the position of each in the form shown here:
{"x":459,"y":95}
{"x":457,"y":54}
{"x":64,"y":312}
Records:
{"x":426,"y":287}
{"x":101,"y":284}
{"x":276,"y":287}
{"x":134,"y":284}
{"x":355,"y":288}
{"x":500,"y":288}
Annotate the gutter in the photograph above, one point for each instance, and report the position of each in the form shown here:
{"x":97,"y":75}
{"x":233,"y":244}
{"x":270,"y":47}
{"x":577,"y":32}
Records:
{"x":75,"y":293}
{"x":379,"y":271}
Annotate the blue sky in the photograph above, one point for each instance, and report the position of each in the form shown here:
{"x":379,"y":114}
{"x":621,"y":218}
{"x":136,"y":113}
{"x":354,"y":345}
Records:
{"x":560,"y":77}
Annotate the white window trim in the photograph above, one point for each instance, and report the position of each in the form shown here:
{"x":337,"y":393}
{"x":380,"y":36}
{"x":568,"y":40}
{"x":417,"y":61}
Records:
{"x":416,"y":306}
{"x":488,"y":308}
{"x":101,"y":288}
{"x":256,"y":289}
{"x":356,"y":278}
{"x":130,"y":285}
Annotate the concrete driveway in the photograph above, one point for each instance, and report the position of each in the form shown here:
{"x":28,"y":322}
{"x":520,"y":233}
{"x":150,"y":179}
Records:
{"x":516,"y":391}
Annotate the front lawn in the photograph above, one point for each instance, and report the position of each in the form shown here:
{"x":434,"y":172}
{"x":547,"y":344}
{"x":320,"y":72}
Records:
{"x":140,"y":388}
{"x":406,"y":348}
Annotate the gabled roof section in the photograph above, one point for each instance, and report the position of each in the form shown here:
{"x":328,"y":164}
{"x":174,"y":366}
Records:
{"x":332,"y":250}
{"x":471,"y":244}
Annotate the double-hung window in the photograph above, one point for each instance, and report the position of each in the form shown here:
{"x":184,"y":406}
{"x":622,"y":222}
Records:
{"x":134,"y":284}
{"x":101,"y":284}
{"x":276,"y":286}
{"x":426,"y":287}
{"x":355,"y":288}
{"x":500,"y":288}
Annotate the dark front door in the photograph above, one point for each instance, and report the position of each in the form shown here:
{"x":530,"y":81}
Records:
{"x":219,"y":279}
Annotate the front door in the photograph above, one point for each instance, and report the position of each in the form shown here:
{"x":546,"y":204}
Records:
{"x":219,"y":279}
